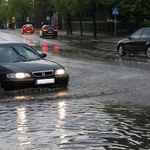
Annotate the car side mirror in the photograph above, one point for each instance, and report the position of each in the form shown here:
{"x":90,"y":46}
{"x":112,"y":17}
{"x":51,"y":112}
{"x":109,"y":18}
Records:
{"x":43,"y":55}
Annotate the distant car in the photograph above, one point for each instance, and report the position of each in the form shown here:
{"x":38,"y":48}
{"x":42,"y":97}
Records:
{"x":27,"y":28}
{"x":48,"y":30}
{"x":138,"y":42}
{"x":21,"y":66}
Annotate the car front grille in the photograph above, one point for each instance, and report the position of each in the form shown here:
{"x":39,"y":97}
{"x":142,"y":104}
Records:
{"x":46,"y":73}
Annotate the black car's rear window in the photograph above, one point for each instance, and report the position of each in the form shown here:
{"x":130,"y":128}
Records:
{"x":27,"y":26}
{"x":49,"y":27}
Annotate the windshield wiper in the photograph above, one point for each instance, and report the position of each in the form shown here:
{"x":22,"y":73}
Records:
{"x":30,"y":50}
{"x":35,"y":53}
{"x":16,"y":51}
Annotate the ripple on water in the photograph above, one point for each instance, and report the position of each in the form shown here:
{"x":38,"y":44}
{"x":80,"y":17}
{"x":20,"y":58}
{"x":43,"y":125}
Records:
{"x":83,"y":123}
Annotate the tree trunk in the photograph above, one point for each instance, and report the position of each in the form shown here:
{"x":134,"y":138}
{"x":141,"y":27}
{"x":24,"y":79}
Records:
{"x":94,"y":18}
{"x":69,"y":22}
{"x":67,"y":26}
{"x":80,"y":25}
{"x":94,"y":24}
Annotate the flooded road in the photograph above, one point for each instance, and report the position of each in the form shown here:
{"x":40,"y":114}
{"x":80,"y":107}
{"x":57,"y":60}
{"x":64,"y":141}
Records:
{"x":81,"y":123}
{"x":105,"y":107}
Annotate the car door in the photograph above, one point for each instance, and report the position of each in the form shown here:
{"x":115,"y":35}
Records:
{"x":142,"y":40}
{"x":130,"y":44}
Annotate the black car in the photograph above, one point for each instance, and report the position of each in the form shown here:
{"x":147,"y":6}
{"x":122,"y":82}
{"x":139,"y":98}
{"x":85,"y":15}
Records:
{"x":138,"y":42}
{"x":21,"y":66}
{"x":48,"y":30}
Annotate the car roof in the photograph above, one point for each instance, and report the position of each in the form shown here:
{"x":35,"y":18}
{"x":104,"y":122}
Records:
{"x":11,"y":43}
{"x":48,"y":26}
{"x":28,"y":25}
{"x":145,"y":28}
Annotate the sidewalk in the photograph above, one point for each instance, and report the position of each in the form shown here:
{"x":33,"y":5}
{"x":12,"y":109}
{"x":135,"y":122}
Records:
{"x":101,"y":37}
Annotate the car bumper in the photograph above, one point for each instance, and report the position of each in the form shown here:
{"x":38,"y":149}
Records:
{"x":29,"y":31}
{"x":49,"y":34}
{"x":32,"y":83}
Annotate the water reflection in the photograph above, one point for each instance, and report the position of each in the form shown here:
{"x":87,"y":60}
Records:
{"x":47,"y":48}
{"x":21,"y":126}
{"x":27,"y":40}
{"x":30,"y":94}
{"x":87,"y":123}
{"x":133,"y":123}
{"x":62,"y":93}
{"x":109,"y":126}
{"x":22,"y":97}
{"x":55,"y":48}
{"x":61,"y":108}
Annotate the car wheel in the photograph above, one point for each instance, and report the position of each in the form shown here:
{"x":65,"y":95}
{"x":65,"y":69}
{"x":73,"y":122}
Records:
{"x":148,"y":52}
{"x":121,"y":51}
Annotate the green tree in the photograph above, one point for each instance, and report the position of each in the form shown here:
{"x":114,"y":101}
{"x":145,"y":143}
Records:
{"x":94,"y":7}
{"x":42,"y":7}
{"x":71,"y":9}
{"x":137,"y":11}
{"x":22,"y":8}
{"x":3,"y":14}
{"x":78,"y":9}
{"x":63,"y":7}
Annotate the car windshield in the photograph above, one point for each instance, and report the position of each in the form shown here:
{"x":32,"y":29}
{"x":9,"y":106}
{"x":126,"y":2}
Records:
{"x":141,"y":33}
{"x":137,"y":34}
{"x":17,"y":53}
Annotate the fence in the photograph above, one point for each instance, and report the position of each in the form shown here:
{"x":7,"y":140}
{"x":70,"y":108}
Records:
{"x":122,"y":28}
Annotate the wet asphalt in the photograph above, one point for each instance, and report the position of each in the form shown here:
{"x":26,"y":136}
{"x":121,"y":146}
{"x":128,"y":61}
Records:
{"x":105,"y":107}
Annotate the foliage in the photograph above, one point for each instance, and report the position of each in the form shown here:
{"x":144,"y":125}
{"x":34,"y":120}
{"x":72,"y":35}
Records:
{"x":3,"y":12}
{"x":130,"y":11}
{"x":24,"y":9}
{"x":45,"y":4}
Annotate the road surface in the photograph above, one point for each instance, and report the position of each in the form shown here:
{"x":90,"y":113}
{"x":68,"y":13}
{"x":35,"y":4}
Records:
{"x":106,"y":104}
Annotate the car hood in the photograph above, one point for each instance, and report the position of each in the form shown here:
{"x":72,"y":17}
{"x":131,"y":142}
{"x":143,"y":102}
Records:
{"x":31,"y":66}
{"x":122,"y":40}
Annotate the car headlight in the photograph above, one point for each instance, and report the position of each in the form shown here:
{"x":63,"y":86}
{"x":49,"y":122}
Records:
{"x":60,"y":72}
{"x":19,"y":75}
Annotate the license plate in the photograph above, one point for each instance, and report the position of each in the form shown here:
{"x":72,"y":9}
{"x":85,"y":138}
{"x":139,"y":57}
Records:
{"x":45,"y":81}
